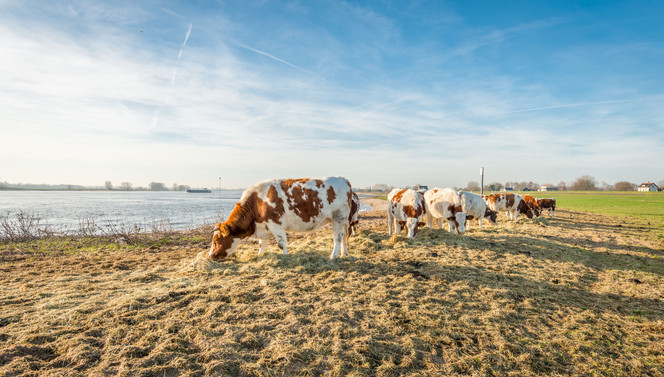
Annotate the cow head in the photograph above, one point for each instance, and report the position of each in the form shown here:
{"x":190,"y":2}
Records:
{"x":525,"y":209}
{"x":411,"y":225}
{"x":223,"y":243}
{"x":491,"y":215}
{"x":458,"y":218}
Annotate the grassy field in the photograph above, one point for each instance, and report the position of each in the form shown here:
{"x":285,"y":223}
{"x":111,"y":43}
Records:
{"x":580,"y":294}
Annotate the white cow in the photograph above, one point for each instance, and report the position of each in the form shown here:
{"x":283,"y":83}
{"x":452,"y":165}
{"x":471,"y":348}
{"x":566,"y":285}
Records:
{"x":405,"y":209}
{"x":445,"y":204}
{"x":270,"y":209}
{"x":475,"y":208}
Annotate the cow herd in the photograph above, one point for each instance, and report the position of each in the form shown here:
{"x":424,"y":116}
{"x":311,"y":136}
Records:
{"x":407,"y":207}
{"x":271,"y":208}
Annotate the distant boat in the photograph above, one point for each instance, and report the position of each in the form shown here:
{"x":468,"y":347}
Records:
{"x":195,"y":191}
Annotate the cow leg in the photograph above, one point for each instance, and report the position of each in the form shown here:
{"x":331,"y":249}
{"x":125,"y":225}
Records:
{"x":429,"y":219}
{"x":281,"y":239}
{"x":480,"y":221}
{"x":263,"y":244}
{"x":515,"y":214}
{"x":439,"y":222}
{"x":397,"y":226}
{"x":338,"y":232}
{"x":390,"y":222}
{"x":450,"y":226}
{"x":344,"y":245}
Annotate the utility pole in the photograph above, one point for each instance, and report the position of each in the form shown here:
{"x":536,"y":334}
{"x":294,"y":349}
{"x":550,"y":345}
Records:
{"x":219,"y":188}
{"x":482,"y":181}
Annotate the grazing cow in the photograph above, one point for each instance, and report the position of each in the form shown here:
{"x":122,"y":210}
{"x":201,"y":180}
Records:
{"x":511,"y":204}
{"x":354,"y":214}
{"x":531,"y":201}
{"x":475,"y":208}
{"x":405,"y":209}
{"x":445,"y":204}
{"x":271,"y":208}
{"x":549,"y":204}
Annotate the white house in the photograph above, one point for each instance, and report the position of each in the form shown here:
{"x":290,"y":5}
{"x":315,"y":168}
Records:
{"x":548,"y":188}
{"x":648,"y":186}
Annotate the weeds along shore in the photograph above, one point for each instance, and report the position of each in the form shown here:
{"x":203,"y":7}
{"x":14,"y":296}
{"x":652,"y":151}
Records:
{"x":579,"y":294}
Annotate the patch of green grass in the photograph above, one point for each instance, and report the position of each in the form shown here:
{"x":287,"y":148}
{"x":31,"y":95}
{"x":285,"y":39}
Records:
{"x":646,"y":207}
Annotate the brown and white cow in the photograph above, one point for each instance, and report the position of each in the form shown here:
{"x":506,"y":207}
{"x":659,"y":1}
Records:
{"x":475,"y":208}
{"x":531,"y":201}
{"x":405,"y":209}
{"x":549,"y":203}
{"x":445,"y":204}
{"x":271,"y":208}
{"x":511,"y":204}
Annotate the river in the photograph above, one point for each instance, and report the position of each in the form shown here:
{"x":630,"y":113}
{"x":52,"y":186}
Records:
{"x":68,"y":211}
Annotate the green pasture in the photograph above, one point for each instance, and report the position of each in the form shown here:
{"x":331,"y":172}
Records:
{"x":643,"y":205}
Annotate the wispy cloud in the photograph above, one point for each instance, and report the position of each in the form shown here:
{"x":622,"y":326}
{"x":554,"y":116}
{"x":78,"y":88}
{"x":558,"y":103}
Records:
{"x":242,"y":45}
{"x":155,"y":117}
{"x":581,"y":104}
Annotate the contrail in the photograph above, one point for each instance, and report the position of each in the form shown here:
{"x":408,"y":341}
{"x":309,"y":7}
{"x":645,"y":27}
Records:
{"x":157,"y":112}
{"x":574,"y":105}
{"x":274,"y":58}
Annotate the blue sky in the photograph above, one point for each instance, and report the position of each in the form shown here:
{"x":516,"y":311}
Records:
{"x":377,"y":91}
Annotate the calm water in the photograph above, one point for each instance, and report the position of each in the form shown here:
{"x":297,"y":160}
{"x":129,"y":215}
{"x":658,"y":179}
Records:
{"x":64,"y":210}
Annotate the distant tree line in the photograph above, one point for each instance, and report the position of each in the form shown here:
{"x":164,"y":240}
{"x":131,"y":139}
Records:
{"x":153,"y":186}
{"x":582,"y":183}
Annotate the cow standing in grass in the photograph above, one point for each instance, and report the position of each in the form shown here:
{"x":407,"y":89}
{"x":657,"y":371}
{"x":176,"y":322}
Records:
{"x":548,"y":204}
{"x":511,"y":204}
{"x":475,"y":208}
{"x":445,"y":204}
{"x":405,"y":209}
{"x":270,"y":209}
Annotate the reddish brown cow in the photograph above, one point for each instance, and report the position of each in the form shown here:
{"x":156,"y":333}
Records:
{"x":549,"y":204}
{"x":531,"y":201}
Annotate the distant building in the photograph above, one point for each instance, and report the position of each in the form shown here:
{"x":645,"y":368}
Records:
{"x":648,"y":186}
{"x":548,"y":188}
{"x":420,"y":187}
{"x":507,"y":189}
{"x":526,"y":189}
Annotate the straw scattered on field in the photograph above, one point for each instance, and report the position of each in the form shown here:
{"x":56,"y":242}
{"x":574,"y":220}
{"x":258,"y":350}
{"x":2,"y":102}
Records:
{"x":579,"y":294}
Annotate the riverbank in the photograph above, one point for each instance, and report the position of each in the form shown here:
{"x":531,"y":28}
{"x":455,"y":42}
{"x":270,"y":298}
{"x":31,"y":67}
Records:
{"x":578,"y":294}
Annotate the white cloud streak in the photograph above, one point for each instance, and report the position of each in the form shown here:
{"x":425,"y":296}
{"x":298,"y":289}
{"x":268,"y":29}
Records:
{"x":155,"y":117}
{"x":244,"y":46}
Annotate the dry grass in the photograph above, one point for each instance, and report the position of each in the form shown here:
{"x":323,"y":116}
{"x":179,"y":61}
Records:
{"x":580,"y":294}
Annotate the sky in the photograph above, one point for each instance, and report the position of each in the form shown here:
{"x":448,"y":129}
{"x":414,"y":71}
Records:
{"x":231,"y":93}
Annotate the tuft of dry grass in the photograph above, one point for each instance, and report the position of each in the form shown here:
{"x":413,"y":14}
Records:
{"x":579,"y":294}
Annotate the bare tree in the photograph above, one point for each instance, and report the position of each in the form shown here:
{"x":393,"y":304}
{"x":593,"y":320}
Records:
{"x":562,"y":186}
{"x":380,"y":187}
{"x":157,"y":186}
{"x":473,"y":186}
{"x":109,"y":185}
{"x":625,"y":186}
{"x":584,"y":183}
{"x":125,"y":186}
